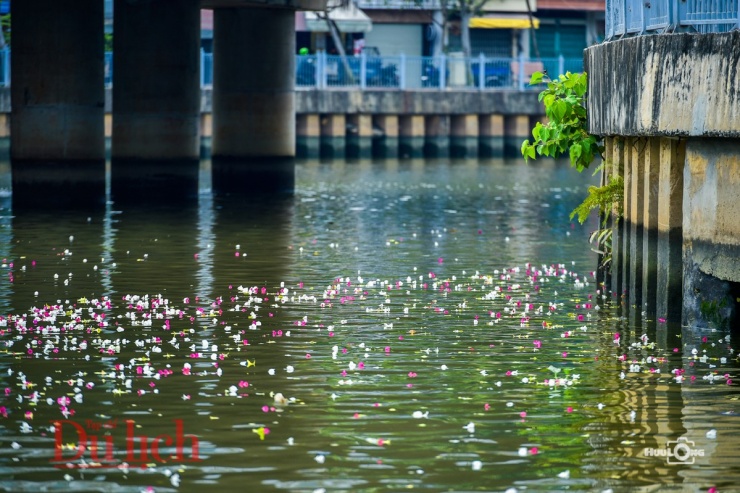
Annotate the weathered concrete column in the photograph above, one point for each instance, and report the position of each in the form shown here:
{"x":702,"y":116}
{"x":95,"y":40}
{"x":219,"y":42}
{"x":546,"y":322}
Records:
{"x":253,"y":83}
{"x":615,"y":158}
{"x":464,"y":136}
{"x":386,"y":145}
{"x":516,"y":130}
{"x":333,"y":136}
{"x":308,"y":135}
{"x":411,"y":144}
{"x":156,"y":99}
{"x":644,"y":102}
{"x":650,"y":179}
{"x":711,"y":232}
{"x":670,"y":231}
{"x":491,"y":135}
{"x":57,"y":145}
{"x":635,"y":219}
{"x":359,"y":140}
{"x":437,"y":136}
{"x":626,"y":249}
{"x":617,"y":170}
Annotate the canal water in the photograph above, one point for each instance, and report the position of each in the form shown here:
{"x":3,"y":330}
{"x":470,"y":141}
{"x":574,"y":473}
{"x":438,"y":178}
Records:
{"x":391,"y":326}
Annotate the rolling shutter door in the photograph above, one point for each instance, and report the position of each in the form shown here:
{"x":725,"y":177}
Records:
{"x":394,"y":39}
{"x":490,"y":42}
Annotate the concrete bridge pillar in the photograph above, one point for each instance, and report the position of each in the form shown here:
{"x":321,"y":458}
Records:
{"x":651,"y":181}
{"x":491,"y":131}
{"x":57,"y":100}
{"x":516,"y":129}
{"x":615,"y":155}
{"x":464,"y":136}
{"x":626,"y":236}
{"x":308,"y":135}
{"x":386,"y":146}
{"x":670,"y":229}
{"x":411,"y":141}
{"x":253,"y":83}
{"x":437,"y":136}
{"x":333,"y":134}
{"x":359,"y":136}
{"x":635,"y":219}
{"x":156,"y":98}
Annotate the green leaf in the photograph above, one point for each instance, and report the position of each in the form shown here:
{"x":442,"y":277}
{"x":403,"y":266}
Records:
{"x":559,"y":109}
{"x":575,"y":153}
{"x":525,"y":145}
{"x":535,"y":79}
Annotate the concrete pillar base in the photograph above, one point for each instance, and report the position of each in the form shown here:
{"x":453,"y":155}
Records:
{"x":463,"y":147}
{"x":437,"y":147}
{"x":651,"y":174}
{"x":307,"y":147}
{"x":669,"y":277}
{"x":489,"y":147}
{"x":709,"y":302}
{"x":333,"y":148}
{"x":635,"y":219}
{"x":64,"y":184}
{"x":411,"y":147}
{"x":385,"y":147}
{"x":626,"y":237}
{"x":464,"y":136}
{"x":618,"y":232}
{"x":437,"y":136}
{"x":333,"y":136}
{"x":308,"y":136}
{"x":411,"y":140}
{"x":359,"y":136}
{"x":255,"y":177}
{"x":359,"y":147}
{"x":516,"y":130}
{"x":136,"y":181}
{"x":711,"y":233}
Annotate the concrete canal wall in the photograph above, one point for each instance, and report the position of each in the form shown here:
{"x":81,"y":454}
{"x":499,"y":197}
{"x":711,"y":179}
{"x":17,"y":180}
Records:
{"x":669,"y":107}
{"x":390,"y":123}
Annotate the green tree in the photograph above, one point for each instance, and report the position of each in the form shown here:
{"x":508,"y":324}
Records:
{"x":566,"y":131}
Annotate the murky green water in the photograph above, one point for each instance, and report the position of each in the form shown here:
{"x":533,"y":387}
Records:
{"x":433,"y":326}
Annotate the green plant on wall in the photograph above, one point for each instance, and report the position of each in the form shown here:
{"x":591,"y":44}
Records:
{"x":711,"y":310}
{"x":566,"y":132}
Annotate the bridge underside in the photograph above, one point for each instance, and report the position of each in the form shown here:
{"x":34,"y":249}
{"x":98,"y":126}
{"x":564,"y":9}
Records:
{"x":57,"y":94}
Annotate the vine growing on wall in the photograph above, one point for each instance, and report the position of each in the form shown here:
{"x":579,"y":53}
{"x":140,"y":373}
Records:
{"x":566,"y":132}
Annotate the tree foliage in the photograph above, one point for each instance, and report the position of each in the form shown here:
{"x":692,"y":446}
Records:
{"x":609,"y":198}
{"x":565,"y":130}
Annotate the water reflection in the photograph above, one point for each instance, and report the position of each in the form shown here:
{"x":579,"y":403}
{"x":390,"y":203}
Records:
{"x":435,"y":323}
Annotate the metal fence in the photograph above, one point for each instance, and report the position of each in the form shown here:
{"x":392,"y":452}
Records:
{"x":322,"y":71}
{"x":633,"y":17}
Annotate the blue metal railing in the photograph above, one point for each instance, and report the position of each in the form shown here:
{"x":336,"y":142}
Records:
{"x":322,"y":71}
{"x":628,"y":17}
